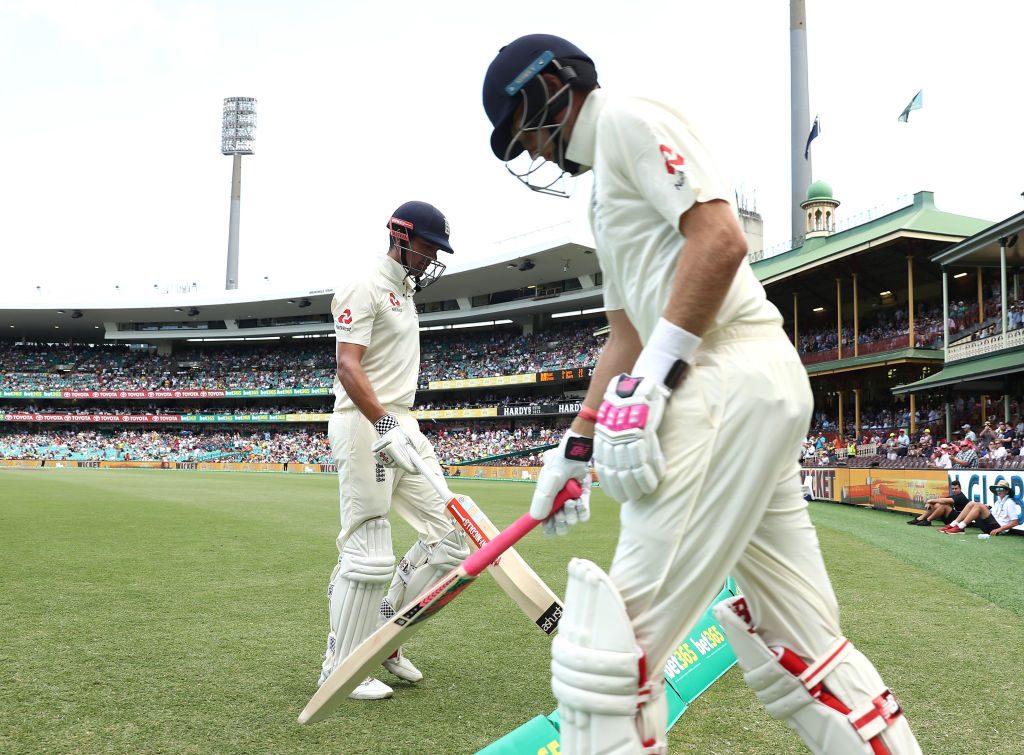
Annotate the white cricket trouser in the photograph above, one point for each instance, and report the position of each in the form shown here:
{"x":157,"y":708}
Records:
{"x":368,"y":490}
{"x":730,"y":503}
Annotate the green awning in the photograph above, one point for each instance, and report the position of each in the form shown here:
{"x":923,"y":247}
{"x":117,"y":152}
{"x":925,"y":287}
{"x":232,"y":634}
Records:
{"x":969,"y":370}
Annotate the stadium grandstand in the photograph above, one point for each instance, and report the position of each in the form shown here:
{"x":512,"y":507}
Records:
{"x":907,"y":317}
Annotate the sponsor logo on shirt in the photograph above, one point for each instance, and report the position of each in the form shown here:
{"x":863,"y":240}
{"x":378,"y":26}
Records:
{"x":344,"y":321}
{"x":675,"y":165}
{"x":396,"y":303}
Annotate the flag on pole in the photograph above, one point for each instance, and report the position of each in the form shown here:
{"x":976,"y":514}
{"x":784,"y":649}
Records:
{"x":815,"y":130}
{"x":915,"y":104}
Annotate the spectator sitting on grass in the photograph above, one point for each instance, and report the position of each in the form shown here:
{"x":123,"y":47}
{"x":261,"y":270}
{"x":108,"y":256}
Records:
{"x":948,"y":507}
{"x":1003,"y":515}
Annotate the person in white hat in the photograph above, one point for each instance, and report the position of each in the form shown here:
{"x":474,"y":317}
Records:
{"x":1000,"y":517}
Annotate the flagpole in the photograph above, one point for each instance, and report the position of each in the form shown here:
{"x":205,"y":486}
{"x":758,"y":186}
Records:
{"x":800,"y":114}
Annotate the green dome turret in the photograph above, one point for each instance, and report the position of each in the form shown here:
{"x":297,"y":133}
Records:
{"x":819,"y":190}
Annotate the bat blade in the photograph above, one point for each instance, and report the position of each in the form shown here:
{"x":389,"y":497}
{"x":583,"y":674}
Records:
{"x":511,"y":572}
{"x":399,"y":628}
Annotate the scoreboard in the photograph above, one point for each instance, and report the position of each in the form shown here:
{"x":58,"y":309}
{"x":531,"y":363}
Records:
{"x":564,"y":374}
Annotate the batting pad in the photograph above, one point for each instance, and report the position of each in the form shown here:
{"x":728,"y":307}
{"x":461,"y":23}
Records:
{"x":357,"y":587}
{"x":694,"y":667}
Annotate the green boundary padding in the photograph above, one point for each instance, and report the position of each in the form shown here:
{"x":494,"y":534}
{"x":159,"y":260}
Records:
{"x":698,"y":662}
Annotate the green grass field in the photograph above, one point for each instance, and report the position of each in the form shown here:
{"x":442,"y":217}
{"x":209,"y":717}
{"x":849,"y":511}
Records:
{"x":185,"y":612}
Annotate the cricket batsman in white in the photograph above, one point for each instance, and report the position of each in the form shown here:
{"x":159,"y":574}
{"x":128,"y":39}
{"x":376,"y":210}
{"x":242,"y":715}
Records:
{"x":694,"y":349}
{"x":373,"y":435}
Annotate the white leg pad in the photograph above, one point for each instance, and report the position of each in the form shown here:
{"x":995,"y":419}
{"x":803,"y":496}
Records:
{"x":816,"y":699}
{"x":596,"y":670}
{"x":357,"y":585}
{"x":421,"y":567}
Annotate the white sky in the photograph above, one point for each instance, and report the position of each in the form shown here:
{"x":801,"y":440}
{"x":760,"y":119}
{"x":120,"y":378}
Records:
{"x":110,"y":168}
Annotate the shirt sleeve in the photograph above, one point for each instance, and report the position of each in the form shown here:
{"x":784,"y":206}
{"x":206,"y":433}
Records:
{"x":670,"y":166}
{"x":353,"y":312}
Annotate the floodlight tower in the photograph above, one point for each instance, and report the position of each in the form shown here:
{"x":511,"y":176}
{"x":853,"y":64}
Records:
{"x":237,"y":134}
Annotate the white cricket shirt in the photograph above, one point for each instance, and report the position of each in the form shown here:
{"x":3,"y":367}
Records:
{"x":649,"y":168}
{"x":375,"y":309}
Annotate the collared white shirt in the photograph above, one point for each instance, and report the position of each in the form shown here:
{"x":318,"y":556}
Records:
{"x":1005,"y":510}
{"x":649,"y":168}
{"x":374,"y":308}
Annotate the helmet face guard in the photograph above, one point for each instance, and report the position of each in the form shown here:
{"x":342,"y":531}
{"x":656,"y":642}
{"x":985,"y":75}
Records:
{"x":401,"y":232}
{"x":539,"y":108}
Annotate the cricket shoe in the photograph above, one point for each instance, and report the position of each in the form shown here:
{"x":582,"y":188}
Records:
{"x":371,"y":689}
{"x":951,"y":530}
{"x":402,"y":667}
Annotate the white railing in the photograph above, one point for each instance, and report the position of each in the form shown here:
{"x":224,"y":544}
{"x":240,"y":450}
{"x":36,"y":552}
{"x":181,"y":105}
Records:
{"x":1014,"y":339}
{"x":848,"y":221}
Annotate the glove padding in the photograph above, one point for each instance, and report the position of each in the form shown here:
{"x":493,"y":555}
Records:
{"x":627,"y":452}
{"x":393,"y":449}
{"x":571,"y":460}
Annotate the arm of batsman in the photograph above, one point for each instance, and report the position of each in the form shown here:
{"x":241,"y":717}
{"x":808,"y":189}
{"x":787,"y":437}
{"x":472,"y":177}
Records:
{"x":394,"y":449}
{"x":569,"y":461}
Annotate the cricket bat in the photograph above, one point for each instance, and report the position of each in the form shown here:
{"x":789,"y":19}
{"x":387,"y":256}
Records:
{"x":399,"y":628}
{"x":511,"y":571}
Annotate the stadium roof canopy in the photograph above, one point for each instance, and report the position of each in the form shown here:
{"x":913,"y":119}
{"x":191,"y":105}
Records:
{"x":982,"y":249}
{"x":971,"y":375}
{"x":550,"y":272}
{"x":919,"y":220}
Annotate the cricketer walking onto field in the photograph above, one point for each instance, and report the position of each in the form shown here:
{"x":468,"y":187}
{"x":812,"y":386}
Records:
{"x":373,"y":436}
{"x":694,"y":349}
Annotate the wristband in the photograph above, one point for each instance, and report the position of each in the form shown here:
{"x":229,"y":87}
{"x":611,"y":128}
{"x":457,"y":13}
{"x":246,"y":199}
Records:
{"x":667,"y":353}
{"x":579,"y":448}
{"x":587,"y":414}
{"x":385,"y":423}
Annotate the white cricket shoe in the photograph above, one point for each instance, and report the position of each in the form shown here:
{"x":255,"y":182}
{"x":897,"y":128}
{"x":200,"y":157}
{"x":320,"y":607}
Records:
{"x":402,"y":667}
{"x":371,"y":689}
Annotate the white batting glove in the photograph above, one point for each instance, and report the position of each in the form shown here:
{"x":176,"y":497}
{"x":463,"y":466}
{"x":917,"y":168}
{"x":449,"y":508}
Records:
{"x":627,"y":452}
{"x":393,"y":448}
{"x":570,"y":461}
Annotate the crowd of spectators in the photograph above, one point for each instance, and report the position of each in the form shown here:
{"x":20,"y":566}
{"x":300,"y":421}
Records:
{"x":928,"y":331}
{"x":883,"y":327}
{"x":493,"y":399}
{"x":506,"y":351}
{"x":456,"y":444}
{"x":885,"y":419}
{"x":202,"y":444}
{"x":445,"y":355}
{"x":279,"y":365}
{"x":154,"y":408}
{"x":306,"y":444}
{"x":994,"y":445}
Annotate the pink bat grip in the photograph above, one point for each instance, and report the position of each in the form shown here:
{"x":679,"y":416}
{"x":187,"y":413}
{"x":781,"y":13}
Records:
{"x":512,"y":534}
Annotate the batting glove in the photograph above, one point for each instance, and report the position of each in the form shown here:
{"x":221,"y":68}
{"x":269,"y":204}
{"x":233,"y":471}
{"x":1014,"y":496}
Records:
{"x":571,"y":460}
{"x":393,"y":448}
{"x":627,"y":452}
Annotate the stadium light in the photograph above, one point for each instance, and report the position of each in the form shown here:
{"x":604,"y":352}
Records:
{"x":818,"y":309}
{"x":577,"y":312}
{"x":960,"y":275}
{"x":237,"y":136}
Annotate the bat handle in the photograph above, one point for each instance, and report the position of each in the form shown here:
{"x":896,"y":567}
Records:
{"x":512,"y":534}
